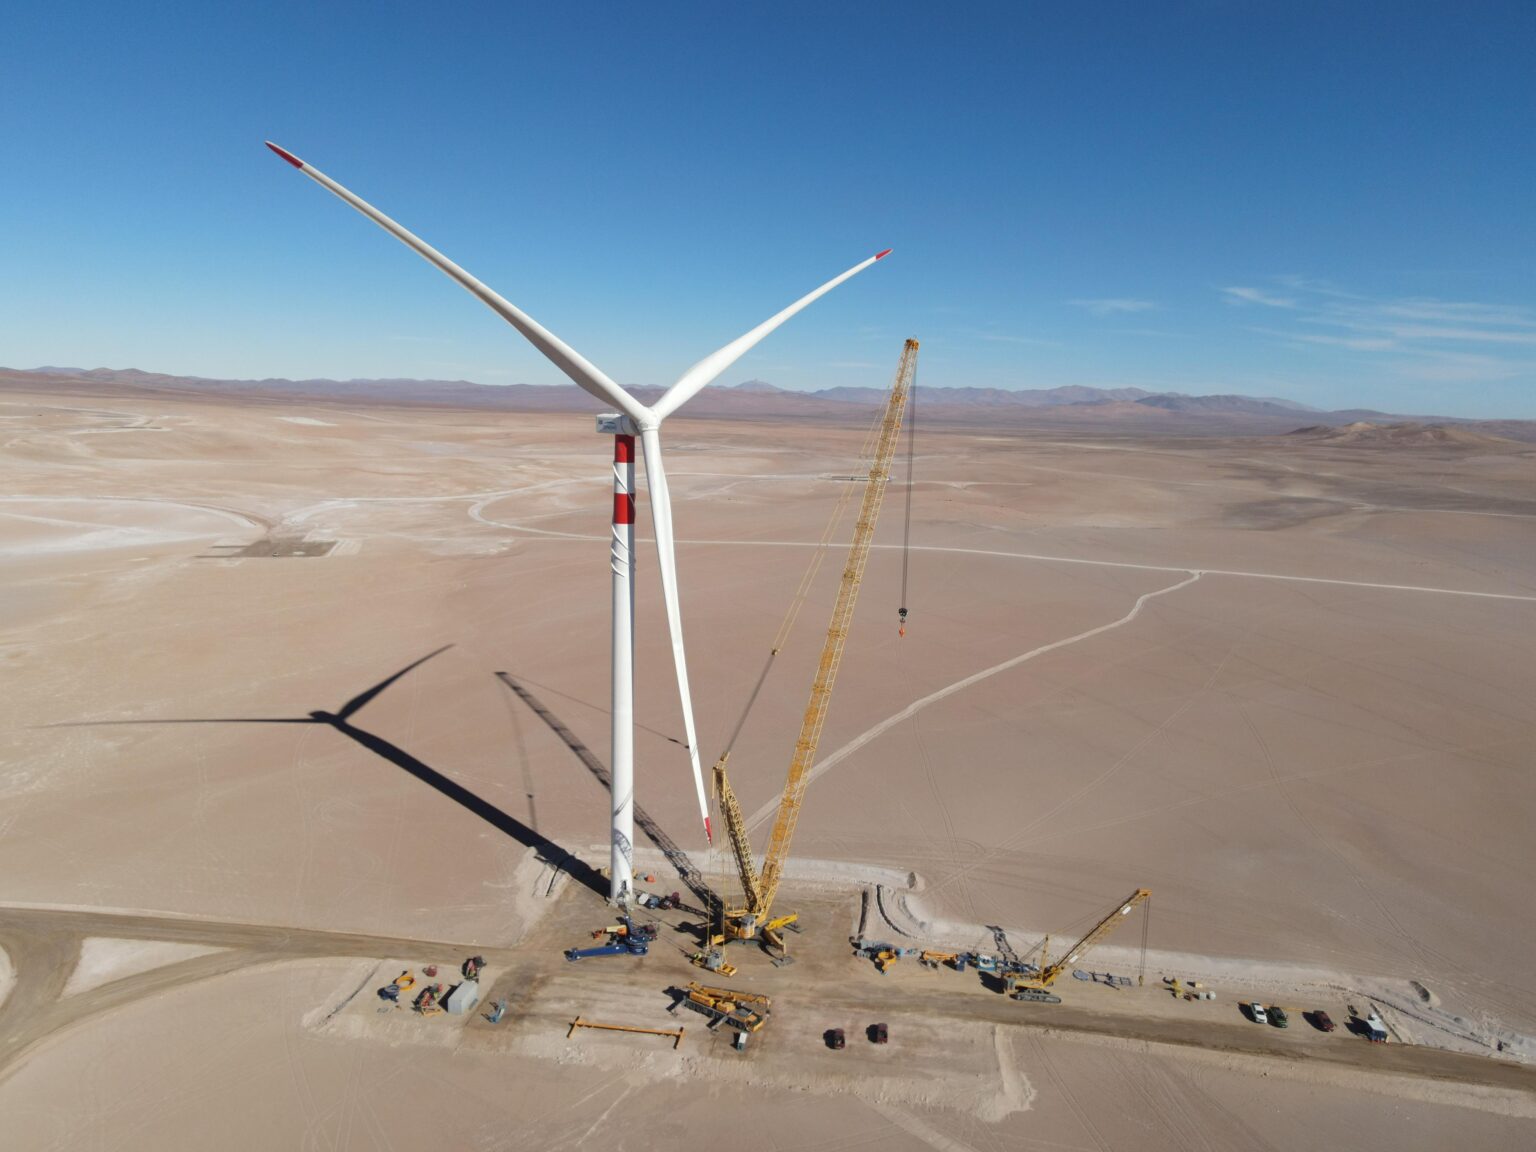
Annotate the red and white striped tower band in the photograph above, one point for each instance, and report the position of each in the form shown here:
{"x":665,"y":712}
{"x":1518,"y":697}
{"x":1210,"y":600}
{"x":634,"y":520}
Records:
{"x":621,"y":560}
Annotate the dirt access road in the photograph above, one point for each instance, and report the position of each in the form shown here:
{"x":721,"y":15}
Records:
{"x":825,"y":983}
{"x":44,"y":946}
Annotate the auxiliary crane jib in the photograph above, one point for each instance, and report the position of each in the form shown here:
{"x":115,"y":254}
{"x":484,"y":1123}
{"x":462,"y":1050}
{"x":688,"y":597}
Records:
{"x":754,"y":919}
{"x":1036,"y":986}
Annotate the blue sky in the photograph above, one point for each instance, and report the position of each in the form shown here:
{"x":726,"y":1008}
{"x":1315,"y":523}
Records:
{"x":1332,"y":203}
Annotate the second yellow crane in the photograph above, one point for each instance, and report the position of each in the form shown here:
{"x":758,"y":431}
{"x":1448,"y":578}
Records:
{"x":1022,"y":986}
{"x":754,"y":918}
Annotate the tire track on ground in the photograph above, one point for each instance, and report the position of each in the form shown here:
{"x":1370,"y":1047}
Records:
{"x":829,"y":762}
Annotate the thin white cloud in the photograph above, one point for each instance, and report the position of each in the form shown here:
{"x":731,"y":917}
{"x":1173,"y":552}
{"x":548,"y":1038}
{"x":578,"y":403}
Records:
{"x":995,"y":337}
{"x":1430,"y":339}
{"x":1109,"y":305}
{"x":1475,"y":335}
{"x":1457,"y":312}
{"x":1353,"y":343}
{"x":1460,"y":369}
{"x":1254,"y":296}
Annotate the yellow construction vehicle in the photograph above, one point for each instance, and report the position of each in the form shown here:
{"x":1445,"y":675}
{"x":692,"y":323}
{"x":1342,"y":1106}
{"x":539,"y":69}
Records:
{"x":713,"y":960}
{"x":1035,"y":986}
{"x":752,"y":920}
{"x":937,"y":959}
{"x":743,"y":1011}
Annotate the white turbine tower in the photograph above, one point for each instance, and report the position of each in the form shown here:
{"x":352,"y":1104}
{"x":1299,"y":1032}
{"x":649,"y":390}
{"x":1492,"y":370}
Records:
{"x":633,"y":418}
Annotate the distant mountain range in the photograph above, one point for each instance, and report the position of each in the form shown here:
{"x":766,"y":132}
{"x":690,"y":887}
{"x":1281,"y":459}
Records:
{"x":1071,"y":406}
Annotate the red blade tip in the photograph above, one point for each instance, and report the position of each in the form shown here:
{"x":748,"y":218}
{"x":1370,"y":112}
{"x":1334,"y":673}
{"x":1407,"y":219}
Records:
{"x":878,"y":255}
{"x":289,"y":156}
{"x":708,"y":835}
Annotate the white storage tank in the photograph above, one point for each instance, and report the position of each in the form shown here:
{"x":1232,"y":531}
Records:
{"x":463,"y":998}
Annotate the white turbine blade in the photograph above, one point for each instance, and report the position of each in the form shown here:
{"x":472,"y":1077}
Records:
{"x":559,"y":353}
{"x":661,"y":517}
{"x":691,"y":381}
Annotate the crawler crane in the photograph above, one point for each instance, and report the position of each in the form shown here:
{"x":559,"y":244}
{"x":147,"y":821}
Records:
{"x":1022,"y":986}
{"x":754,"y":918}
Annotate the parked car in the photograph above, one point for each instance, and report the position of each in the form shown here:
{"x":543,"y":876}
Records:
{"x":1256,"y":1010}
{"x":877,"y":1034}
{"x":1322,"y":1021}
{"x":835,"y":1038}
{"x":1278,"y":1018}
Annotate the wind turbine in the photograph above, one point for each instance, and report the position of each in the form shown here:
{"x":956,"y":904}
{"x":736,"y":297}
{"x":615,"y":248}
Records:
{"x":633,"y":418}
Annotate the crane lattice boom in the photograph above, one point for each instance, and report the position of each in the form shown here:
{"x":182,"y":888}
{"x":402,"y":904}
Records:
{"x":760,"y":889}
{"x":1103,"y":928}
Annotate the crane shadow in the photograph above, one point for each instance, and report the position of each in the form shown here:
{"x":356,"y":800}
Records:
{"x":341,"y":721}
{"x":545,"y":688}
{"x":687,"y":871}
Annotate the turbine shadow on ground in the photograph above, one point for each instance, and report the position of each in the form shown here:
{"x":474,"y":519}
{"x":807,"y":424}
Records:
{"x":687,"y":871}
{"x":554,"y":855}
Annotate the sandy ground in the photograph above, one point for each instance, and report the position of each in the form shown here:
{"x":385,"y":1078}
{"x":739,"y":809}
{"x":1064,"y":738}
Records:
{"x":1285,"y":686}
{"x":244,"y":1062}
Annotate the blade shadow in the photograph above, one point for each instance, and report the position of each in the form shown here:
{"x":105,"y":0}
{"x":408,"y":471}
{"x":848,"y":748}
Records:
{"x":354,"y":705}
{"x":547,"y":849}
{"x":687,"y":871}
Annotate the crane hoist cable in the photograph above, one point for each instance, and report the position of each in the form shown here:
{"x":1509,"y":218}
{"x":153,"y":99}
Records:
{"x":1146,"y":929}
{"x":807,"y":578}
{"x":906,"y":532}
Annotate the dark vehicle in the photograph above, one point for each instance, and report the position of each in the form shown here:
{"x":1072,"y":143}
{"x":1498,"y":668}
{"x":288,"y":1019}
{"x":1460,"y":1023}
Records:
{"x":1322,"y":1021}
{"x":835,"y":1038}
{"x":877,"y":1034}
{"x":1278,"y":1018}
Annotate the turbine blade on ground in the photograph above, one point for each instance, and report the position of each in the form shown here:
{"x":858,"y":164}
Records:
{"x":661,"y":518}
{"x":707,"y":369}
{"x":559,"y":353}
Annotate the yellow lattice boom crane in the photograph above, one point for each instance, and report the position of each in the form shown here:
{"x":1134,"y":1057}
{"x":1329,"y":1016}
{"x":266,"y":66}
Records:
{"x":1022,"y":986}
{"x":759,"y":888}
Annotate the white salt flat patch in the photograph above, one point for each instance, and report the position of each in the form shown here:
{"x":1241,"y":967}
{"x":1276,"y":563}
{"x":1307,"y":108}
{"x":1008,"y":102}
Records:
{"x":36,"y":525}
{"x":310,"y":420}
{"x":104,"y":959}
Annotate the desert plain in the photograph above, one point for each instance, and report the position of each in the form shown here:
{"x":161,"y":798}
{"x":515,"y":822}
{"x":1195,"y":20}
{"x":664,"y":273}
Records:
{"x":1284,"y":682}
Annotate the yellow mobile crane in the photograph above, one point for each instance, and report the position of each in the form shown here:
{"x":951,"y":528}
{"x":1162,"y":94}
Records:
{"x":753,"y":919}
{"x":1021,"y":986}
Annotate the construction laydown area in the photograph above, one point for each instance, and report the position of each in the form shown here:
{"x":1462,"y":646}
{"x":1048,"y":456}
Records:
{"x":305,"y":794}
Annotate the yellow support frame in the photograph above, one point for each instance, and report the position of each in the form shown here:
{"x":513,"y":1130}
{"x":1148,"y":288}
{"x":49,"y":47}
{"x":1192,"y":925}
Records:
{"x":675,"y":1034}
